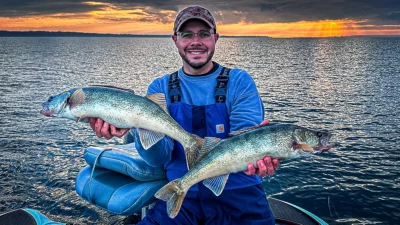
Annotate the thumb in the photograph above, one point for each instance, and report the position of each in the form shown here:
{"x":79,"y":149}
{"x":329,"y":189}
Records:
{"x":264,"y":122}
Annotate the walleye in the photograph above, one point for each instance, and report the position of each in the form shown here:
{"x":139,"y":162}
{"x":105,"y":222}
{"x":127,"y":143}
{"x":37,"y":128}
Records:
{"x":122,"y":109}
{"x":219,"y":158}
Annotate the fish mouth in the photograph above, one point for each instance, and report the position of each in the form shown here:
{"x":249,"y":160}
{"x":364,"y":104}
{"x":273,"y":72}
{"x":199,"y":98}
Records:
{"x":46,"y":110}
{"x":46,"y":113}
{"x":322,"y":148}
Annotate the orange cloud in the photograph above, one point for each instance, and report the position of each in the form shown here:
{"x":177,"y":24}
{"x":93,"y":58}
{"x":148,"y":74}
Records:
{"x":325,"y":28}
{"x":111,"y":19}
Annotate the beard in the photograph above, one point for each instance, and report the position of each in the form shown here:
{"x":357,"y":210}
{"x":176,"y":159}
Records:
{"x":198,"y":65}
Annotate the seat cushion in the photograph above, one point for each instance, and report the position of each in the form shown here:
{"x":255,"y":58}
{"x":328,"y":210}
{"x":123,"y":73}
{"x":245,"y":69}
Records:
{"x":115,"y":192}
{"x":124,"y":159}
{"x":26,"y":216}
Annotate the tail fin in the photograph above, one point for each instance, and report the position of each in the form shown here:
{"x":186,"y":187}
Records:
{"x":193,"y":150}
{"x":173,"y":194}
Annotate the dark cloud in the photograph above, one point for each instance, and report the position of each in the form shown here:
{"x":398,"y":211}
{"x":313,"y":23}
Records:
{"x":254,"y":11}
{"x":311,"y":10}
{"x":393,"y":16}
{"x":17,"y":8}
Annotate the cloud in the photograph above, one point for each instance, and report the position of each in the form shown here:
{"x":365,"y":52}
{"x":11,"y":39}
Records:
{"x":19,"y":8}
{"x":256,"y":11}
{"x":312,"y":10}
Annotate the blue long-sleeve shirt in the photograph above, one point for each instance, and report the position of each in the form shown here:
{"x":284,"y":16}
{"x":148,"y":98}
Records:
{"x":243,"y":103}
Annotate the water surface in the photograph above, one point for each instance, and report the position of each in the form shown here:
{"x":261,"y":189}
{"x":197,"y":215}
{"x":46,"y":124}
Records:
{"x":347,"y":85}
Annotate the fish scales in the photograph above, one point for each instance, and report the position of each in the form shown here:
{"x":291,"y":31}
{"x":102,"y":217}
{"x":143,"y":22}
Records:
{"x":250,"y":147}
{"x":235,"y":153}
{"x":123,"y":109}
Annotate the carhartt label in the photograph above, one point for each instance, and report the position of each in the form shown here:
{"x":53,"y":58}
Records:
{"x":220,"y":128}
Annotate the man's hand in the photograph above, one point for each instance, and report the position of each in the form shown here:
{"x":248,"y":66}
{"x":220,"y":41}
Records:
{"x":104,"y":129}
{"x":266,"y":166}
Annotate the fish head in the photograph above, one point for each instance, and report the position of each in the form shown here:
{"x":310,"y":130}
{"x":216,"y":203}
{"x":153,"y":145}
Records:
{"x":311,"y":141}
{"x":57,"y":106}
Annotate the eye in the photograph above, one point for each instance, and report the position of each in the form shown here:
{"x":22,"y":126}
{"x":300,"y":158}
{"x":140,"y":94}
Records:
{"x":319,"y":134}
{"x":204,"y":34}
{"x":187,"y":34}
{"x":50,"y":99}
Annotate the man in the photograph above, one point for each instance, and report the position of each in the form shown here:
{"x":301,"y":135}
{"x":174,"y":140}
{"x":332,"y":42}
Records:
{"x":208,"y":100}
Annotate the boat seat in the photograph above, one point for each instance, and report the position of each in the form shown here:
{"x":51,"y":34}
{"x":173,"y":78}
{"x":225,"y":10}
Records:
{"x":26,"y":216}
{"x":121,"y":182}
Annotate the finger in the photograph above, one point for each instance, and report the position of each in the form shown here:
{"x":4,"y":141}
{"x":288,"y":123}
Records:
{"x":262,"y":169}
{"x":268,"y":164}
{"x":118,"y":132}
{"x":113,"y":130}
{"x":92,"y":122}
{"x":105,"y":131}
{"x":275,"y":163}
{"x":264,"y":122}
{"x":121,"y":132}
{"x":97,"y":127}
{"x":251,"y":170}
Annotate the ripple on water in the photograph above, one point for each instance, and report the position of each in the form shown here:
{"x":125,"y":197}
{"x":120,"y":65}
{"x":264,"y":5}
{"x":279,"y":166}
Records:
{"x":346,"y":85}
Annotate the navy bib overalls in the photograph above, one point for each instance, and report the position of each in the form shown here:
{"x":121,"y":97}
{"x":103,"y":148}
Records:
{"x":201,"y":206}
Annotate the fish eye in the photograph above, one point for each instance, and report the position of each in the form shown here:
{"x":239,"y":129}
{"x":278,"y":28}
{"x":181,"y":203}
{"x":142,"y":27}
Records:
{"x":319,"y":134}
{"x":51,"y":98}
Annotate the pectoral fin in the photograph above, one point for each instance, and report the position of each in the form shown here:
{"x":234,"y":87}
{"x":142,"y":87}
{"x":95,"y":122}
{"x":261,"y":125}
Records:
{"x":77,"y":98}
{"x":84,"y":118}
{"x":306,"y":147}
{"x":216,"y":184}
{"x":149,"y":138}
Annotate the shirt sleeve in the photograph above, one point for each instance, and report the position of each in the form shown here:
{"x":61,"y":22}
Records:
{"x":159,"y":153}
{"x":246,"y":106}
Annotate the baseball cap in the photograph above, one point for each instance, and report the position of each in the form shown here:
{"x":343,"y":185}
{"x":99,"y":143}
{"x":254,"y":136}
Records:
{"x":194,"y":12}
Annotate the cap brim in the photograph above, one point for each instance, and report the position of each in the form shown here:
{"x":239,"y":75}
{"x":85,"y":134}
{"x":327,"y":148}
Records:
{"x":194,"y":18}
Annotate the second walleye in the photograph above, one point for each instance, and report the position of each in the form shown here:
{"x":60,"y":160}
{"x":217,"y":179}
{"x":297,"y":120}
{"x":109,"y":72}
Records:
{"x":122,"y":109}
{"x":218,"y":158}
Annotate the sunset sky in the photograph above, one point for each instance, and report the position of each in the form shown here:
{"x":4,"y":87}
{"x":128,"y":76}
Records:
{"x":274,"y":18}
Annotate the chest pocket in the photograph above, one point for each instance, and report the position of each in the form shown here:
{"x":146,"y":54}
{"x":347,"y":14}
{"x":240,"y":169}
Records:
{"x":209,"y":120}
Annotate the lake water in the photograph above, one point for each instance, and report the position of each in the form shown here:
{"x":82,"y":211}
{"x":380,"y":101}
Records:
{"x":350,"y":86}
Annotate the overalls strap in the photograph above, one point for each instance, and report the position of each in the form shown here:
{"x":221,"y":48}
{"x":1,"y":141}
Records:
{"x":222,"y":84}
{"x":174,"y":88}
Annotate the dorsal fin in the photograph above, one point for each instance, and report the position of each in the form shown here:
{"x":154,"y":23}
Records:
{"x":194,"y":157}
{"x":234,"y":133}
{"x":114,"y":87}
{"x":77,"y":98}
{"x":159,"y":99}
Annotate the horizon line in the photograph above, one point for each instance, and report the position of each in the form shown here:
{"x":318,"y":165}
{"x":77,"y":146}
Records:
{"x":3,"y":32}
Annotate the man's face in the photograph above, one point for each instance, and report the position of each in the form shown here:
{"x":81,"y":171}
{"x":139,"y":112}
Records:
{"x":197,"y":51}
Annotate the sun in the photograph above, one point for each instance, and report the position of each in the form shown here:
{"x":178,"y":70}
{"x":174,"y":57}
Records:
{"x":322,"y":28}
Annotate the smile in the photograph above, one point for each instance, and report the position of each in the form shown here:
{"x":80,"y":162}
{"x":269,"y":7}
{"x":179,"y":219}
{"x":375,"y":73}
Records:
{"x":196,"y":52}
